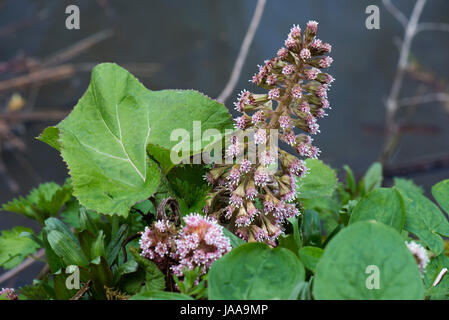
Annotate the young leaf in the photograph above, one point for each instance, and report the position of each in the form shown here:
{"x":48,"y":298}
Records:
{"x":367,"y":260}
{"x":255,"y":271}
{"x":373,"y":177}
{"x":424,"y":219}
{"x":154,"y":278}
{"x":384,"y":205}
{"x":440,"y":192}
{"x":15,"y":247}
{"x":310,"y":256}
{"x":42,"y":202}
{"x":321,"y":181}
{"x":350,"y":180}
{"x":114,"y":246}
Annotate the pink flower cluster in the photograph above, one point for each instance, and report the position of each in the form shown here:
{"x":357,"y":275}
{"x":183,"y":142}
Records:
{"x":296,"y":98}
{"x":8,"y":293}
{"x":198,"y":244}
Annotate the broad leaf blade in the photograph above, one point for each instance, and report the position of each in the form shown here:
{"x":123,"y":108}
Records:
{"x":104,"y":141}
{"x":440,"y":192}
{"x":351,"y":260}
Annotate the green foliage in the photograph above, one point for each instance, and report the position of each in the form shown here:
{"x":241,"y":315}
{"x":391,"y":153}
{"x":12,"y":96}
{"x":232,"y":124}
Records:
{"x":310,"y":256}
{"x":440,"y":192}
{"x":160,"y":295}
{"x":342,"y":273}
{"x":441,"y":290}
{"x":383,"y":205}
{"x":255,"y":271}
{"x":15,"y":246}
{"x":373,"y":178}
{"x":154,"y":279}
{"x":106,"y":139}
{"x":424,"y":219}
{"x":321,"y":181}
{"x":42,"y":202}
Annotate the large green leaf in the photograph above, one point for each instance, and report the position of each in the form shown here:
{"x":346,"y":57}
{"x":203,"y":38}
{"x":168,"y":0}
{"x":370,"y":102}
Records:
{"x":384,"y":205}
{"x":255,"y":271}
{"x":106,"y":138}
{"x":440,"y":192}
{"x":350,"y":259}
{"x":14,"y":247}
{"x":424,"y":219}
{"x":321,"y":181}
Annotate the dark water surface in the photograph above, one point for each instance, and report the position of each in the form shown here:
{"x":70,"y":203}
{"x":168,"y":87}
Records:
{"x":194,"y":43}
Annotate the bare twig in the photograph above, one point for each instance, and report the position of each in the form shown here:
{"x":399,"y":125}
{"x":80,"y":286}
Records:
{"x":44,"y":75}
{"x":426,"y":98}
{"x":243,"y":52}
{"x":432,"y":26}
{"x":82,"y":291}
{"x":34,"y":116}
{"x":77,"y":48}
{"x":392,"y":100}
{"x":25,"y":264}
{"x":395,"y":12}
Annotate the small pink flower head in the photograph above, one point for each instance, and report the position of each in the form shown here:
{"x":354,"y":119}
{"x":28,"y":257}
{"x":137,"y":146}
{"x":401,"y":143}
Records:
{"x":295,"y":32}
{"x":316,"y":45}
{"x":242,"y":122}
{"x":320,"y":113}
{"x":284,"y":121}
{"x":288,"y":69}
{"x":314,"y":152}
{"x":267,"y":158}
{"x":304,"y":107}
{"x":258,"y":117}
{"x":325,"y":62}
{"x":321,"y":92}
{"x":274,"y":94}
{"x":236,"y":201}
{"x":9,"y":294}
{"x":200,"y":243}
{"x":325,"y":103}
{"x":243,"y":219}
{"x":257,"y":79}
{"x":291,"y":44}
{"x":245,"y":166}
{"x":297,"y":167}
{"x":305,"y":54}
{"x":234,"y":176}
{"x":209,"y":178}
{"x":282,"y":53}
{"x":244,"y":98}
{"x":260,"y":137}
{"x":272,"y":79}
{"x":156,"y":242}
{"x":234,"y":148}
{"x":311,"y":74}
{"x":242,"y":234}
{"x":289,"y":137}
{"x":258,"y":233}
{"x":297,"y":92}
{"x":312,"y":27}
{"x":261,"y":177}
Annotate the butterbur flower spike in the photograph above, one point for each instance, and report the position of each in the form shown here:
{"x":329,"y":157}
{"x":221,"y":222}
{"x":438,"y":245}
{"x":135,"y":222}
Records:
{"x":295,"y":98}
{"x":9,"y":294}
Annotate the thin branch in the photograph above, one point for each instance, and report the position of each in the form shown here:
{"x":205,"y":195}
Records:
{"x":24,"y":265}
{"x":395,"y":12}
{"x":82,"y":291}
{"x":427,"y":98}
{"x":433,"y":26}
{"x":235,"y":75}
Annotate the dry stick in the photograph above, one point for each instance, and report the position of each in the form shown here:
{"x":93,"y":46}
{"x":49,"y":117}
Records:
{"x":34,"y":116}
{"x":25,"y":264}
{"x":82,"y":291}
{"x":49,"y":74}
{"x":392,"y":100}
{"x":243,"y":52}
{"x":77,"y":48}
